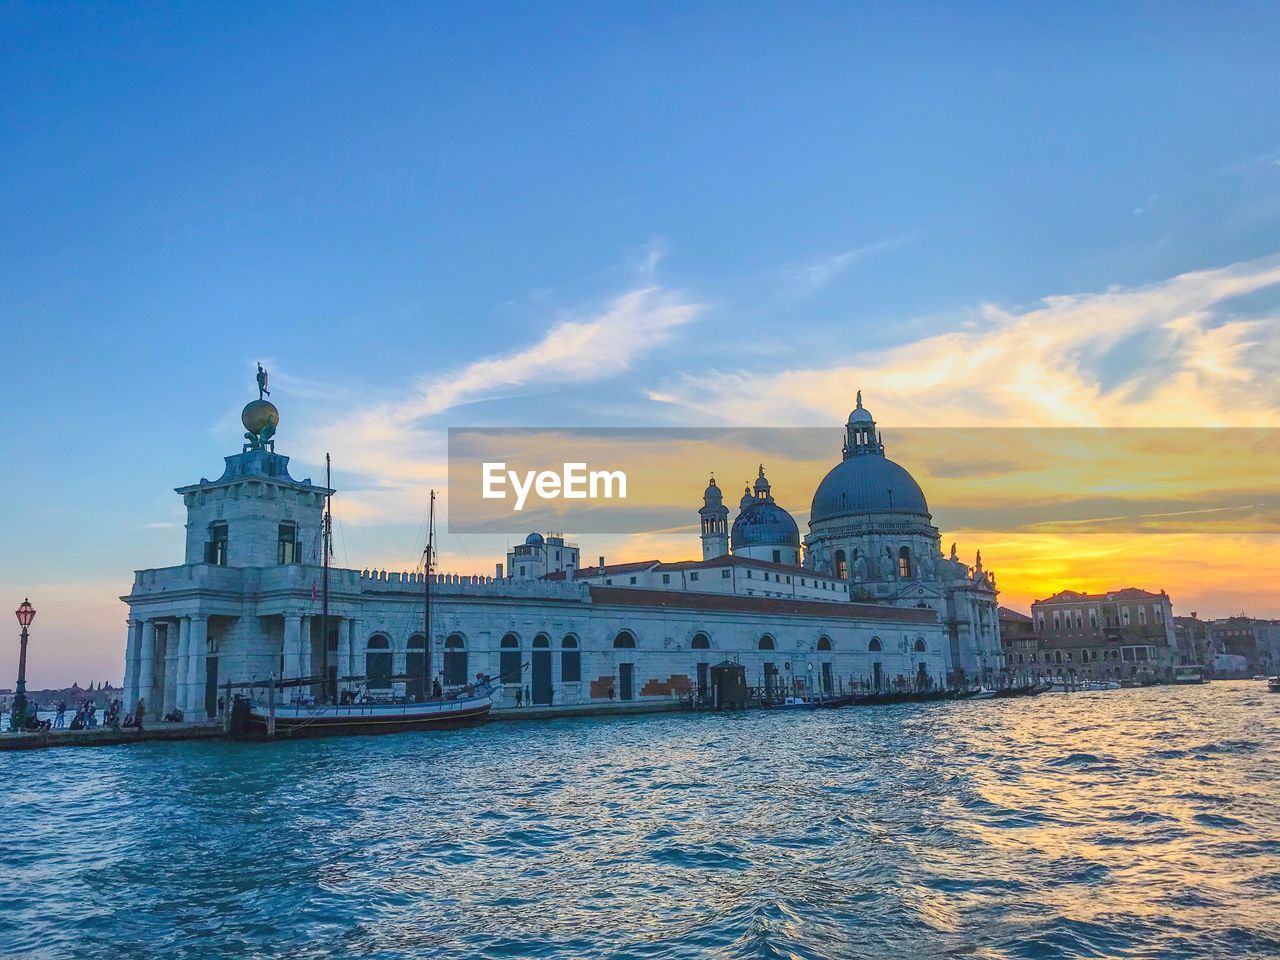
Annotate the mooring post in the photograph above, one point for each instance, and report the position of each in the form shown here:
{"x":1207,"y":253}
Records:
{"x":271,"y":707}
{"x":226,"y":710}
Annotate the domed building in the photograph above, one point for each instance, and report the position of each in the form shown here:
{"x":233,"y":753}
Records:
{"x":870,"y":524}
{"x":763,"y":530}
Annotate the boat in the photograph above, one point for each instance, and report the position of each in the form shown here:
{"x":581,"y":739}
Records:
{"x":347,"y":714}
{"x":1188,"y":673}
{"x":980,"y":693}
{"x":1273,"y":685}
{"x":794,"y":703}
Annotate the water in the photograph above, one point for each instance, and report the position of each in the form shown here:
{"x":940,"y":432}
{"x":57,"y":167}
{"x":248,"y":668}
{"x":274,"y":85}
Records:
{"x":1134,"y":823}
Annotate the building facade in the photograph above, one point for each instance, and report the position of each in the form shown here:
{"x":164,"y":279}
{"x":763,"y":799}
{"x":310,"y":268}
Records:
{"x":246,"y":604}
{"x":1126,"y":634}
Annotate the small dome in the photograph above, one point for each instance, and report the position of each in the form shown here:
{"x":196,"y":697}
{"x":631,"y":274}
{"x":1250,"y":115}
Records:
{"x":712,"y":492}
{"x":868,"y":484}
{"x":764,"y":523}
{"x":534,"y":540}
{"x":860,"y":413}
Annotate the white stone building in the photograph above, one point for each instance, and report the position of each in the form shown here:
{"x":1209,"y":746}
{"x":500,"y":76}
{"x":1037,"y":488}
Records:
{"x":245,"y":603}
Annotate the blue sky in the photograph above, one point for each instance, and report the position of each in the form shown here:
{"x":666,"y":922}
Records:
{"x":708,"y":204}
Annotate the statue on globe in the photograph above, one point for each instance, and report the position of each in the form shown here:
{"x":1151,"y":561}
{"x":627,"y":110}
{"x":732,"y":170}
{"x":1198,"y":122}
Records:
{"x":260,"y":418}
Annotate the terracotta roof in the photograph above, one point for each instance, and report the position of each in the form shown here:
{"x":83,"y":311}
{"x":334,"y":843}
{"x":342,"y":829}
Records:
{"x":1007,"y":613}
{"x":683,"y":600}
{"x":1124,"y":593}
{"x":657,"y":566}
{"x":594,"y":570}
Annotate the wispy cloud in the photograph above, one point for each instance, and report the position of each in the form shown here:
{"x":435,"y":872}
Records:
{"x":399,"y":445}
{"x":823,"y":271}
{"x":1182,"y":355}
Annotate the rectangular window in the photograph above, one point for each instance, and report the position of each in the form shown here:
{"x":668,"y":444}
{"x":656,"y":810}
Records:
{"x":215,"y":550}
{"x":666,"y":578}
{"x":633,"y":579}
{"x":287,"y":548}
{"x":608,"y":582}
{"x":724,"y":574}
{"x":777,"y":556}
{"x":748,"y":574}
{"x":694,"y":575}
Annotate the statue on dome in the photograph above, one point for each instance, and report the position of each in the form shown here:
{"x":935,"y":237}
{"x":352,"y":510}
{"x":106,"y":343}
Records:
{"x":954,"y":556}
{"x":262,"y":383}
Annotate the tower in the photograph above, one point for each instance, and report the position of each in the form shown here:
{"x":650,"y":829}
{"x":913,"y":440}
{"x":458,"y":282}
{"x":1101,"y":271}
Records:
{"x":715,"y":523}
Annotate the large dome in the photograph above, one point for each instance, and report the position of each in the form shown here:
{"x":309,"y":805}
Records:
{"x":762,"y":523}
{"x":867,"y":484}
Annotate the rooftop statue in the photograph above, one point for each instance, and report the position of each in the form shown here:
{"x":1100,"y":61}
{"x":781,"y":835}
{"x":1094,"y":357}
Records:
{"x":260,"y":418}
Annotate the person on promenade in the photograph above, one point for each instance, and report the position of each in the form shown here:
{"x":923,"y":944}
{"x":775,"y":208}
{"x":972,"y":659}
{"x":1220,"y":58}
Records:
{"x":519,"y":697}
{"x":139,"y":712}
{"x":60,"y":719}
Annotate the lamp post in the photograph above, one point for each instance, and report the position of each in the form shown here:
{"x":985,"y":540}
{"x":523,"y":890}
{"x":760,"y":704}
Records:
{"x":18,"y":719}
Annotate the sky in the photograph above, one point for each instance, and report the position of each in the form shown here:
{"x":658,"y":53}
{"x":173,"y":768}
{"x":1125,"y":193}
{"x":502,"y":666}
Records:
{"x":430,"y":215}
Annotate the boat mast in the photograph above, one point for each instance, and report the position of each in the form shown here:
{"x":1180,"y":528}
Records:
{"x":426,"y":590}
{"x":324,"y":605}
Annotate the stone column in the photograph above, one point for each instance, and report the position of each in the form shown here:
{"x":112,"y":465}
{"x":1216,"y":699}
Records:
{"x":132,"y":649}
{"x":355,"y":664}
{"x":198,"y":648}
{"x":344,"y":653}
{"x":292,"y":641}
{"x":176,"y":662}
{"x":146,"y":666}
{"x":175,"y":666}
{"x":304,"y":648}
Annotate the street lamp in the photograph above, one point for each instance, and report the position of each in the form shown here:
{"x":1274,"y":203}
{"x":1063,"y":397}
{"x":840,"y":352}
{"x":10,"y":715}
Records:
{"x":18,"y":719}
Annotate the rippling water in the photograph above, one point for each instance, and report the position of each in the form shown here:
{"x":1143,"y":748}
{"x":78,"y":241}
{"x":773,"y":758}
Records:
{"x":1141,"y":823}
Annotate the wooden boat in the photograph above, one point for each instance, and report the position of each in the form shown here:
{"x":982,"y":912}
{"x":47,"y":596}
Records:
{"x":794,"y":703}
{"x":1273,"y":685}
{"x":334,"y":714}
{"x":302,"y":719}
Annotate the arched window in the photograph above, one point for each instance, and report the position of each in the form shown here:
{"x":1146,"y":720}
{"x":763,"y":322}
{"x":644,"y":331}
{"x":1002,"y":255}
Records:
{"x":570,"y":660}
{"x":541,"y":642}
{"x":824,"y":643}
{"x":874,"y":645}
{"x":509,"y":666}
{"x":377,"y":662}
{"x":920,"y":647}
{"x":455,"y":660}
{"x":415,"y":663}
{"x":700,"y":642}
{"x":624,"y":641}
{"x":842,"y":565}
{"x":766,"y":642}
{"x":904,"y":562}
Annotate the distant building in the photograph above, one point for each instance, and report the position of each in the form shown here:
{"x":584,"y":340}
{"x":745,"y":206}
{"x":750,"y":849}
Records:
{"x":1194,"y":643}
{"x":1124,"y":634}
{"x":1020,"y":642}
{"x":1257,"y":641}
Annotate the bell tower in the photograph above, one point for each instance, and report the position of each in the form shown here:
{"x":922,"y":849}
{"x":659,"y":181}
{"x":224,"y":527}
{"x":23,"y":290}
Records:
{"x":715,"y":523}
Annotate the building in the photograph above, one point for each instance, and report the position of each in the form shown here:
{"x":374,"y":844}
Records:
{"x":1021,"y":644}
{"x":1195,"y":647}
{"x":1124,"y":634}
{"x":1257,"y":641}
{"x":245,"y":603}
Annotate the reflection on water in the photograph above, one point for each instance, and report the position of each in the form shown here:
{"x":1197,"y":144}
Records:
{"x":1136,"y":823}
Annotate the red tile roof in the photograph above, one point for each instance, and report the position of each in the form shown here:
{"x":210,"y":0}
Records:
{"x":683,"y":600}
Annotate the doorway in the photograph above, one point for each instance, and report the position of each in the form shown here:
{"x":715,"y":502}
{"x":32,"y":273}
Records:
{"x":626,"y":681}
